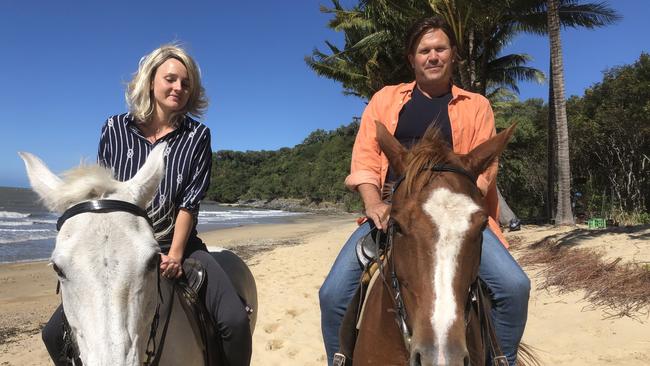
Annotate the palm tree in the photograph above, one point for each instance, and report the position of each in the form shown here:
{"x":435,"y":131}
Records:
{"x":564,"y":214}
{"x":374,"y":31}
{"x":372,"y":56}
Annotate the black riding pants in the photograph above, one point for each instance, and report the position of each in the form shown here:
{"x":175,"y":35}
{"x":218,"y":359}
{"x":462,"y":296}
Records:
{"x":221,"y":299}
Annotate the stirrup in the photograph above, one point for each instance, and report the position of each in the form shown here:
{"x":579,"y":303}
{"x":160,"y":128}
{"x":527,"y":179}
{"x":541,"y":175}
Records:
{"x":500,"y":361}
{"x":339,"y":359}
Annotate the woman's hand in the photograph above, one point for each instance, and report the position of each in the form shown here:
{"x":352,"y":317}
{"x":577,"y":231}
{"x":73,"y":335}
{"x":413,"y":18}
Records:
{"x":170,"y":267}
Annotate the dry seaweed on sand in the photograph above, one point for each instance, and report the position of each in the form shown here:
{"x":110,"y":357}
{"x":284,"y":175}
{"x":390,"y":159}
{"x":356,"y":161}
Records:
{"x":621,"y":289}
{"x":10,"y":334}
{"x":246,"y":251}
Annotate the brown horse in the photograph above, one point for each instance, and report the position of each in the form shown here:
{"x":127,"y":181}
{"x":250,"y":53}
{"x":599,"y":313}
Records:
{"x":419,"y":312}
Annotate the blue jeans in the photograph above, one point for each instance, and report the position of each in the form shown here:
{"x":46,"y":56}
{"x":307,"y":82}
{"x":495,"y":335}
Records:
{"x":508,"y":284}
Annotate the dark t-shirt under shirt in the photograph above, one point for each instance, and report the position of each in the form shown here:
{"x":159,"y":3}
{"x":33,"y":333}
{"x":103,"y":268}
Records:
{"x":417,"y":115}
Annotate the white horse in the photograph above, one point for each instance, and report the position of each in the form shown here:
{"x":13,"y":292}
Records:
{"x":107,"y":264}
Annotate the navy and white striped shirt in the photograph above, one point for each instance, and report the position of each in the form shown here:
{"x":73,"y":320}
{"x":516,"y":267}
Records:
{"x":188,"y":159}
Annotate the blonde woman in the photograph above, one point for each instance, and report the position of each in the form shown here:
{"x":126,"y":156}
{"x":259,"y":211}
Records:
{"x":163,"y":95}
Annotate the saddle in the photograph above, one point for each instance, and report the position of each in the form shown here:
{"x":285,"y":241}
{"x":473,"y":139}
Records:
{"x":371,"y":251}
{"x":187,"y":290}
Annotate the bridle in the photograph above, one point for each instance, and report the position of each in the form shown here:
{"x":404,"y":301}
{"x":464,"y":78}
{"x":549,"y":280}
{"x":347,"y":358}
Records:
{"x":153,"y":351}
{"x":101,"y":206}
{"x":393,"y":286}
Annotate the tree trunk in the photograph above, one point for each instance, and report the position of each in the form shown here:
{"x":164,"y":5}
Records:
{"x":564,"y":215}
{"x":551,"y":147}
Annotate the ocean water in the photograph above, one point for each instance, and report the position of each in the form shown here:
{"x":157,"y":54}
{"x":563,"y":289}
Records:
{"x":28,"y":230}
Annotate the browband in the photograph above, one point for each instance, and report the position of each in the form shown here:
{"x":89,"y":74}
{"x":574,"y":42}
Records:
{"x":453,"y":169}
{"x":102,"y":206}
{"x":440,"y":168}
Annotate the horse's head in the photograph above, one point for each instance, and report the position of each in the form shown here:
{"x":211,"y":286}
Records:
{"x":107,"y":263}
{"x":439,"y":216}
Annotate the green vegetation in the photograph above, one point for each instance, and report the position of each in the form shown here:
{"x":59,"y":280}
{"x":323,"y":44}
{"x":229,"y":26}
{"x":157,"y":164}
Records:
{"x":313,"y":171}
{"x":609,"y":129}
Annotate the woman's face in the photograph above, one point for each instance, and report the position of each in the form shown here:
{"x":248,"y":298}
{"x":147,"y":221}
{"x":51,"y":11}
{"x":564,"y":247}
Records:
{"x":171,"y":86}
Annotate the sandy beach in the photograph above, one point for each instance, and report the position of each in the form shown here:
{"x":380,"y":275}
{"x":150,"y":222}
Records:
{"x":290,"y":261}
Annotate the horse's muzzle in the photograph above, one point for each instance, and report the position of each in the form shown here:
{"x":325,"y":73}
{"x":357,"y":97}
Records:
{"x":432,"y":356}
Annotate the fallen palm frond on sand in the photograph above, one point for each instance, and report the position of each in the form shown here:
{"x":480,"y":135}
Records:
{"x":620,"y":288}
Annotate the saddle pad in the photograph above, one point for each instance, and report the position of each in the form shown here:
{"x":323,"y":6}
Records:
{"x":371,"y":283}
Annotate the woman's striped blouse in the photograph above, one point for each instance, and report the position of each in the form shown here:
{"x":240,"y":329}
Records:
{"x":188,"y":159}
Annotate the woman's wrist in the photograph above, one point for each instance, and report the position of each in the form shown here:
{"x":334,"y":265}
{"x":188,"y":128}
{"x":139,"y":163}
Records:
{"x":175,"y":255}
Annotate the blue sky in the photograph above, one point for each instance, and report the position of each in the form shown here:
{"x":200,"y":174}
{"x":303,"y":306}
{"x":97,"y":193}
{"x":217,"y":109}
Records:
{"x":65,"y":63}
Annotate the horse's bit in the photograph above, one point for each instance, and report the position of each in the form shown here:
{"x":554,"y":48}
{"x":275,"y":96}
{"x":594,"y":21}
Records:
{"x":71,"y":350}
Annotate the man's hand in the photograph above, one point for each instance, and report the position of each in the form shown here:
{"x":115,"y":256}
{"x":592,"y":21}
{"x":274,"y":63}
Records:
{"x":379,"y":213}
{"x":376,"y":209}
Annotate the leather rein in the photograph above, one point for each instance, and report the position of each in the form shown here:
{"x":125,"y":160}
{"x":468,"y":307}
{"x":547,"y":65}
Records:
{"x":153,"y":351}
{"x":394,"y":288}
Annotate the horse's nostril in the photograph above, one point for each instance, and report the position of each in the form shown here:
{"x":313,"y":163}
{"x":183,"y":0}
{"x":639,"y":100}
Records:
{"x":415,"y":359}
{"x":466,"y":361}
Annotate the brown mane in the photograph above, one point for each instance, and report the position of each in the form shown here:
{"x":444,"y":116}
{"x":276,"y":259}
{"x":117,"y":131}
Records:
{"x":430,"y":150}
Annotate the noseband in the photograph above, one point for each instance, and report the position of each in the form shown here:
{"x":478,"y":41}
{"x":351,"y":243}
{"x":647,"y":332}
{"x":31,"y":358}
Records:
{"x":394,"y":288}
{"x":70,"y":349}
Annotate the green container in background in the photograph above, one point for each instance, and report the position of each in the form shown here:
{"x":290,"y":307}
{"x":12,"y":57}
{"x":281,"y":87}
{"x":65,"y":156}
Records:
{"x":596,"y":223}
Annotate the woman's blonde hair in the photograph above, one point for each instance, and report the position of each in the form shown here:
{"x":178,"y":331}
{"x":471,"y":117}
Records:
{"x":139,"y":93}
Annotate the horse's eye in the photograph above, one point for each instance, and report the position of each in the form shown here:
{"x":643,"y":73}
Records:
{"x":152,"y":263}
{"x":58,"y":271}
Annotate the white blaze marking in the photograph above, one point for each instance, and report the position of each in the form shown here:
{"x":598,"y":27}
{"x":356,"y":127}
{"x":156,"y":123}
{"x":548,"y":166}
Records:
{"x":451,"y":213}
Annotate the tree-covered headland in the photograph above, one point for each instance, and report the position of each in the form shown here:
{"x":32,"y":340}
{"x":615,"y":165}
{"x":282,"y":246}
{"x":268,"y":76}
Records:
{"x":312,"y":171}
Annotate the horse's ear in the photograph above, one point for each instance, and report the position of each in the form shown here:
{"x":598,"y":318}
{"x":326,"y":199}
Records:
{"x":392,"y":148}
{"x":43,"y":181}
{"x":144,"y":184}
{"x":482,"y":156}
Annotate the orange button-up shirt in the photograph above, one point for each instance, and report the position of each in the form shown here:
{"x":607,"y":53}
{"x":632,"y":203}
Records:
{"x":472,"y":122}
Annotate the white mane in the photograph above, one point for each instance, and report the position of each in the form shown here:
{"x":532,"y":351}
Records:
{"x":81,"y":184}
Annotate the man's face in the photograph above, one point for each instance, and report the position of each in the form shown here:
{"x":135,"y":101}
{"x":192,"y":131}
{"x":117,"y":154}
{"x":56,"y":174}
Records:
{"x":432,"y":59}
